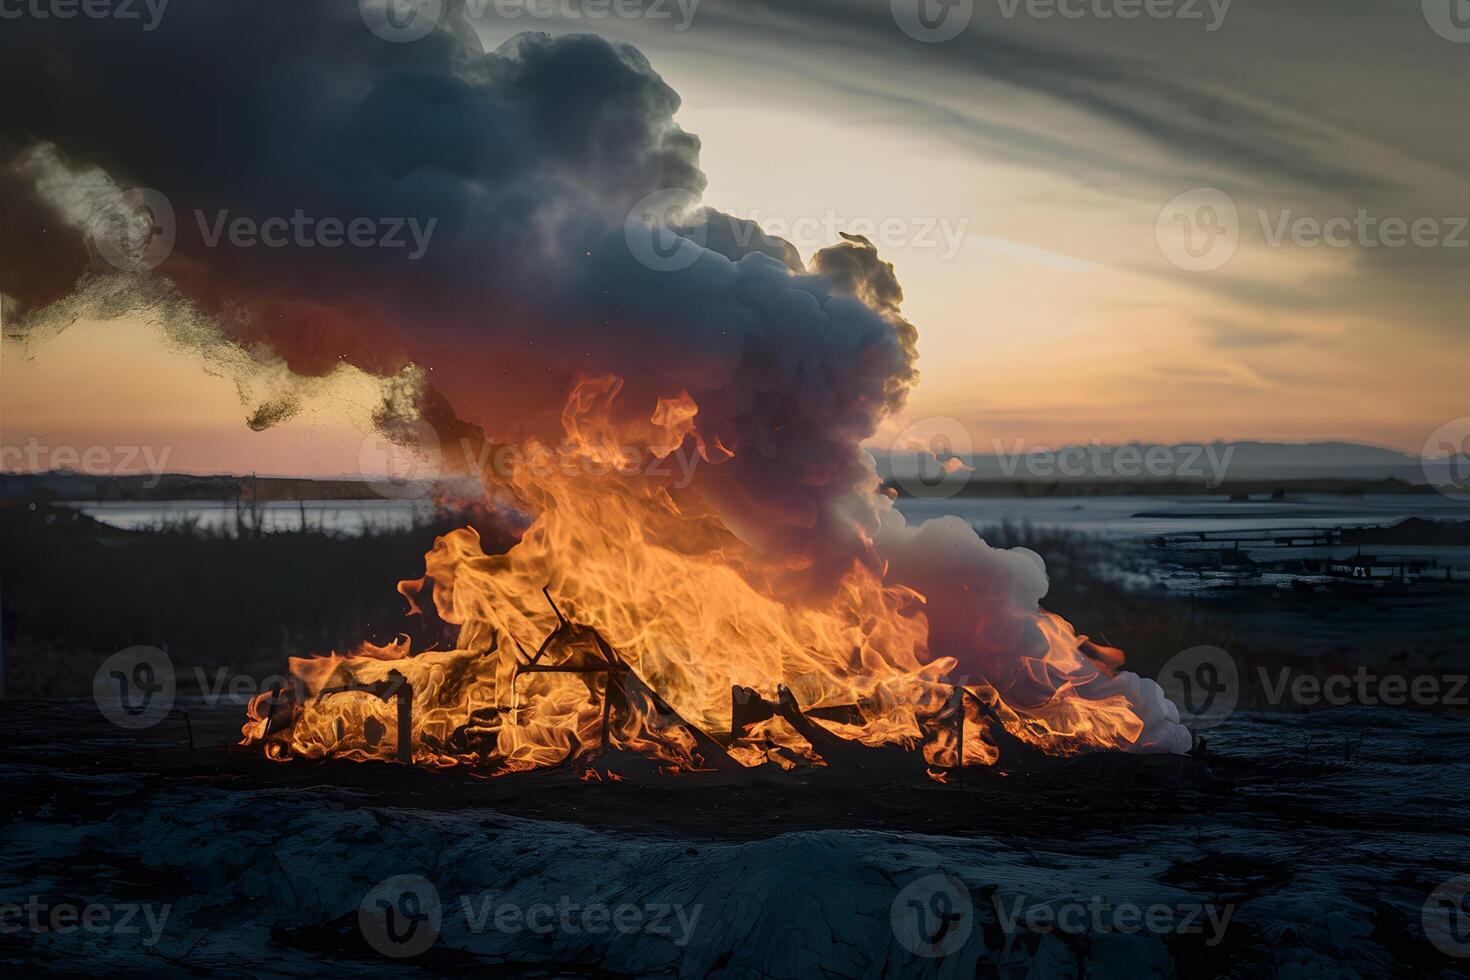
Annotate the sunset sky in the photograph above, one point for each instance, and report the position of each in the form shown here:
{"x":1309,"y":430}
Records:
{"x":1016,"y":175}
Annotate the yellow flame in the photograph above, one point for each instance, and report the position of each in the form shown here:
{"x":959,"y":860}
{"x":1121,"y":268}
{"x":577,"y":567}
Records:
{"x":687,"y":606}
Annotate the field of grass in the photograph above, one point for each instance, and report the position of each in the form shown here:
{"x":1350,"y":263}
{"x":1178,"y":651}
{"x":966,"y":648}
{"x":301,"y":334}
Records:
{"x":76,"y":591}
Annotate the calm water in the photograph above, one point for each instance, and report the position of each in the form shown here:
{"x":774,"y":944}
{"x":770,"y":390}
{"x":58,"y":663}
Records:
{"x":351,"y":517}
{"x":1145,"y":516}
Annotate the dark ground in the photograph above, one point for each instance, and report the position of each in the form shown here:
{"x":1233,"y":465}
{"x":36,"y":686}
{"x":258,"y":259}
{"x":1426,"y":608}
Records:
{"x":1326,"y":830}
{"x":76,"y":591}
{"x":1325,"y":833}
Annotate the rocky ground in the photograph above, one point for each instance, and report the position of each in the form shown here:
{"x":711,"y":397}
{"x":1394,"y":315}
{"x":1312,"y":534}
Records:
{"x":1304,"y":845}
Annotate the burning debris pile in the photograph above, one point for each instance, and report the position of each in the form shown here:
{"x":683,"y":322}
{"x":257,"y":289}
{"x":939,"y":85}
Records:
{"x":627,"y":716}
{"x":678,"y":645}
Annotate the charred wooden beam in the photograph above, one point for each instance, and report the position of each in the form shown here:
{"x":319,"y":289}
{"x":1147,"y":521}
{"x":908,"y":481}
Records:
{"x":830,"y":746}
{"x":749,"y":707}
{"x":546,"y":591}
{"x":1014,"y":753}
{"x":621,"y":683}
{"x":957,"y":702}
{"x":395,"y":685}
{"x":714,"y":754}
{"x":843,"y":714}
{"x":280,"y":711}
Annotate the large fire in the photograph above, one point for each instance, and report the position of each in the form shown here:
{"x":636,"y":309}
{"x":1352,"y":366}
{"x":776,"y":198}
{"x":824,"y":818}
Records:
{"x":628,"y":613}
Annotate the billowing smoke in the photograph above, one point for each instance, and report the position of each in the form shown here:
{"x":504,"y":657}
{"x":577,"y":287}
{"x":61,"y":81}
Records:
{"x":507,"y":179}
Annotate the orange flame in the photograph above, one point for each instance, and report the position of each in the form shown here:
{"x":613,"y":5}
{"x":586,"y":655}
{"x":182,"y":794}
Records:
{"x":665,"y":611}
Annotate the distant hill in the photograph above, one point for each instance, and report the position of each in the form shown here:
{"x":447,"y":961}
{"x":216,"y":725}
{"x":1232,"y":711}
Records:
{"x":1216,"y":463}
